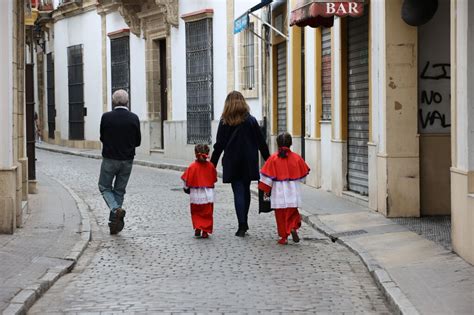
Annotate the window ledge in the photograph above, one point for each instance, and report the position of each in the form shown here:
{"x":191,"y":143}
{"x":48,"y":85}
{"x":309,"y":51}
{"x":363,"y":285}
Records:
{"x":198,"y":15}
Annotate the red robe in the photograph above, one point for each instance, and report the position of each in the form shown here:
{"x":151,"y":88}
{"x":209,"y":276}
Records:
{"x":201,"y":175}
{"x":290,"y":168}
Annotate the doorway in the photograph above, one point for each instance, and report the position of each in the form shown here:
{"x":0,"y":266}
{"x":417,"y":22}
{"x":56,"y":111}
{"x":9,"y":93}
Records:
{"x":158,"y":95}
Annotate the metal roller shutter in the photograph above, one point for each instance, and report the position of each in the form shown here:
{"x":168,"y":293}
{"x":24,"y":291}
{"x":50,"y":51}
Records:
{"x":358,"y":103}
{"x":281,"y":87}
{"x":326,"y":73}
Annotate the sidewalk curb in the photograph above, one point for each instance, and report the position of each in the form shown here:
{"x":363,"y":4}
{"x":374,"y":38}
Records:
{"x":392,"y":292}
{"x":25,"y":298}
{"x":394,"y":295}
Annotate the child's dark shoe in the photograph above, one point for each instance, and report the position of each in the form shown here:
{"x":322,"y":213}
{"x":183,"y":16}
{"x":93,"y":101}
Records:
{"x":197,"y":233}
{"x":205,"y":235}
{"x":295,"y":236}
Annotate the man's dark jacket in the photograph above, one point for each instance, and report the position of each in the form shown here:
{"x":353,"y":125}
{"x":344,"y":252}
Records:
{"x":120,"y":134}
{"x":240,"y":144}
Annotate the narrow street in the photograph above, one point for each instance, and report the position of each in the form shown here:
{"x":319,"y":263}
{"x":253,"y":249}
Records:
{"x":156,"y":266}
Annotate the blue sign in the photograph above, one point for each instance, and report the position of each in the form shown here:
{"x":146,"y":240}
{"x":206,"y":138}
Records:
{"x":241,"y":23}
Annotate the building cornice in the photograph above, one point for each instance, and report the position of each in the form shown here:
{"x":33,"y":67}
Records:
{"x":72,"y":8}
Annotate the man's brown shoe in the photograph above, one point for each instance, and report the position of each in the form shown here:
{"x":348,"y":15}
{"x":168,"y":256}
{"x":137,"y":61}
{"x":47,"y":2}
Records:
{"x":117,"y":222}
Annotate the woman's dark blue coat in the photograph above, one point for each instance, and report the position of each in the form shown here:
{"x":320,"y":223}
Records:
{"x":240,"y":144}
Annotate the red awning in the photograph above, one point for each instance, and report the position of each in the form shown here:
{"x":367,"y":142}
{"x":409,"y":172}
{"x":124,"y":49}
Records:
{"x":316,"y":13}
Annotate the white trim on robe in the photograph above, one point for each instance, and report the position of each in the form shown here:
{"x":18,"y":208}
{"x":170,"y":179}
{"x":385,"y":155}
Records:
{"x":201,"y":196}
{"x":285,"y":194}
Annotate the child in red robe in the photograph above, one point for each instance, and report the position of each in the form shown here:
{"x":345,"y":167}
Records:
{"x":199,"y":179}
{"x":281,"y":176}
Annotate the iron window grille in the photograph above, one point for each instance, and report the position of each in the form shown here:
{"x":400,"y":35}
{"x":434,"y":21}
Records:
{"x":199,"y":81}
{"x":249,"y":58}
{"x":120,"y":64}
{"x":50,"y":95}
{"x":76,"y":92}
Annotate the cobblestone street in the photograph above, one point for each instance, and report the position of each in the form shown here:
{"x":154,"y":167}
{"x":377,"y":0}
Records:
{"x":156,"y":266}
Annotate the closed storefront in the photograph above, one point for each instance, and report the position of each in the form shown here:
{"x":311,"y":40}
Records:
{"x":358,"y":103}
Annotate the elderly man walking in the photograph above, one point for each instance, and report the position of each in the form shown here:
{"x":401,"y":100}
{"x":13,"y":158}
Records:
{"x":120,"y":135}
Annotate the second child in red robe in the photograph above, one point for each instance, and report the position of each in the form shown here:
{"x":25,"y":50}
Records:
{"x":199,"y":179}
{"x":280,"y":176}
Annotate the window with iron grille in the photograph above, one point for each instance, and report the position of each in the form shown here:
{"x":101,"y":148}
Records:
{"x":199,"y":81}
{"x":50,"y":95}
{"x":326,"y":73}
{"x":76,"y":92}
{"x":120,"y":64}
{"x":249,"y":58}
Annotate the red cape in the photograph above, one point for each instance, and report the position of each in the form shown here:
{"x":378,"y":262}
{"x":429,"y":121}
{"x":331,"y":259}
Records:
{"x":292,"y":167}
{"x":200,"y":175}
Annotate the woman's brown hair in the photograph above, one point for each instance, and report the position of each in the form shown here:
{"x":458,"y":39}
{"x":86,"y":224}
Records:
{"x":235,"y":109}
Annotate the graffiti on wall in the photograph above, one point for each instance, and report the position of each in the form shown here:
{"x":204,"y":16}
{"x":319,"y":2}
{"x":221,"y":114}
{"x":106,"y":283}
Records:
{"x":435,"y":98}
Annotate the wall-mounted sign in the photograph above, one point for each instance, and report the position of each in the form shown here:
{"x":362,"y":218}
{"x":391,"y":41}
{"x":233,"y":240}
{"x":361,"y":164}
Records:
{"x":241,"y":23}
{"x":321,"y":12}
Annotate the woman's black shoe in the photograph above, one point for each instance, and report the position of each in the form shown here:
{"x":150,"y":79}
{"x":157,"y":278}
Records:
{"x":240,"y":233}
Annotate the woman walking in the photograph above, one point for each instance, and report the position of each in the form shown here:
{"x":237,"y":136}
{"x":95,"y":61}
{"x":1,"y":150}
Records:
{"x":239,"y":136}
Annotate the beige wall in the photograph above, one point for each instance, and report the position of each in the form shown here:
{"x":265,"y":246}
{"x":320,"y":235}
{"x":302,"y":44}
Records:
{"x":398,"y":162}
{"x":13,"y":174}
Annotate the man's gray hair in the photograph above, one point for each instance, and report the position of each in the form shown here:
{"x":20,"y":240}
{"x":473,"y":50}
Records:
{"x":120,"y":98}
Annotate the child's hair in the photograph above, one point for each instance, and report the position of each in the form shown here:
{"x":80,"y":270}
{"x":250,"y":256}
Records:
{"x":202,"y":152}
{"x":284,"y":142}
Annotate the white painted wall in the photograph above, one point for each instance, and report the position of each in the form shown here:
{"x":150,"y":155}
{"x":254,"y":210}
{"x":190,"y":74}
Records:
{"x":463,"y":61}
{"x":178,"y":56}
{"x":289,"y":85}
{"x":67,"y":34}
{"x":434,"y":100}
{"x":336,"y":77}
{"x":138,"y":100}
{"x":326,"y":156}
{"x":6,"y":86}
{"x":377,"y":75}
{"x":464,"y":46}
{"x":178,"y":70}
{"x":310,"y":79}
{"x":470,"y":108}
{"x":256,"y":105}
